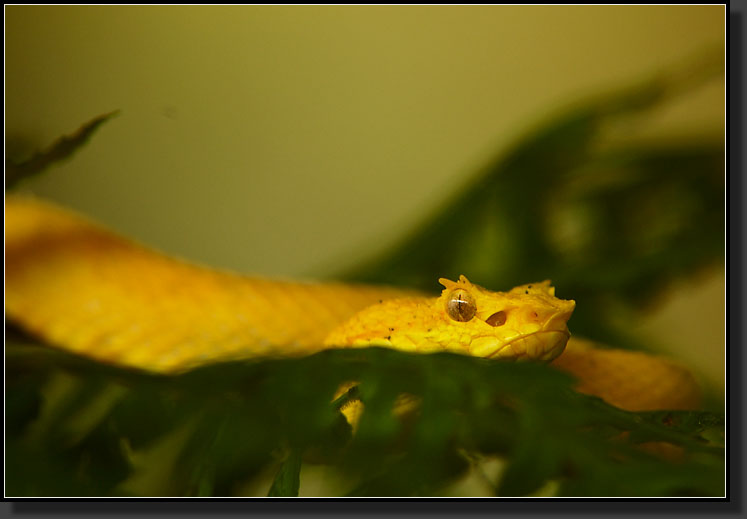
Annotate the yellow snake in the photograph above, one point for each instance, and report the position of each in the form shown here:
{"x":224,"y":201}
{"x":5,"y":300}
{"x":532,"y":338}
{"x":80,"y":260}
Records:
{"x":85,"y":289}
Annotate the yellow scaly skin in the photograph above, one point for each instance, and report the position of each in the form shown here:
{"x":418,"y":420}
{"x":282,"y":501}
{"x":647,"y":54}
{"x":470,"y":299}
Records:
{"x":82,"y":288}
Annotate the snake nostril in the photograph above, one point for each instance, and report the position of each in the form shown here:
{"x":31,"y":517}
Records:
{"x":497,"y":319}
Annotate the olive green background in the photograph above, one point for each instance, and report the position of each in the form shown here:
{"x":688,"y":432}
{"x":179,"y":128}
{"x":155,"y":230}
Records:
{"x":294,"y":141}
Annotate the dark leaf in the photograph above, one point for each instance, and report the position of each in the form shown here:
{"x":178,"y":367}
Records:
{"x":64,"y":148}
{"x":287,"y":480}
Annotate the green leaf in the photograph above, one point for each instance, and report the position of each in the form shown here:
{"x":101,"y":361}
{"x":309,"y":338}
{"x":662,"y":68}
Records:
{"x":62,"y":149}
{"x":287,"y":480}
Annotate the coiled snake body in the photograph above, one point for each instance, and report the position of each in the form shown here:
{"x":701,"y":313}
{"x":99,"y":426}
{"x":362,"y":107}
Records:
{"x":82,"y":288}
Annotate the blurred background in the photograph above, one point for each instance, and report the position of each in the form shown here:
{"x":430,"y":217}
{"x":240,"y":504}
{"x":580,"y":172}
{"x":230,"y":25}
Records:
{"x":299,"y":141}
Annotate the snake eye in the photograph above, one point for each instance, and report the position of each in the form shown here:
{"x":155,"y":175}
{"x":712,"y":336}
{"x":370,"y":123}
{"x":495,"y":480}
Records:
{"x":461,"y":305}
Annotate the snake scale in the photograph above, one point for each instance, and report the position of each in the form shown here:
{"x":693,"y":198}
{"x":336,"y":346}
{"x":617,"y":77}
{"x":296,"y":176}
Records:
{"x":80,"y":287}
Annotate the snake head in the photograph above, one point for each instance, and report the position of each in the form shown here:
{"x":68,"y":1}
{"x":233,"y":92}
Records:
{"x":527,"y":322}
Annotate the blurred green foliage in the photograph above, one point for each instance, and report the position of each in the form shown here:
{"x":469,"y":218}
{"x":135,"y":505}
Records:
{"x":243,"y":416}
{"x":611,"y":226}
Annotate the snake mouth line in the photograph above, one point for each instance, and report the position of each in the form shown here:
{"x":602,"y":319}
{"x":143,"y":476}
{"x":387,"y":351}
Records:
{"x":535,"y":341}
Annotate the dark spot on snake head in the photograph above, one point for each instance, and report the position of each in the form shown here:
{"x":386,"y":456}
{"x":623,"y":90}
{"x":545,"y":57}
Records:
{"x":497,"y":319}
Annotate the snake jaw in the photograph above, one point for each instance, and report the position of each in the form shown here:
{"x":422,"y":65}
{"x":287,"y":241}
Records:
{"x":544,"y":345}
